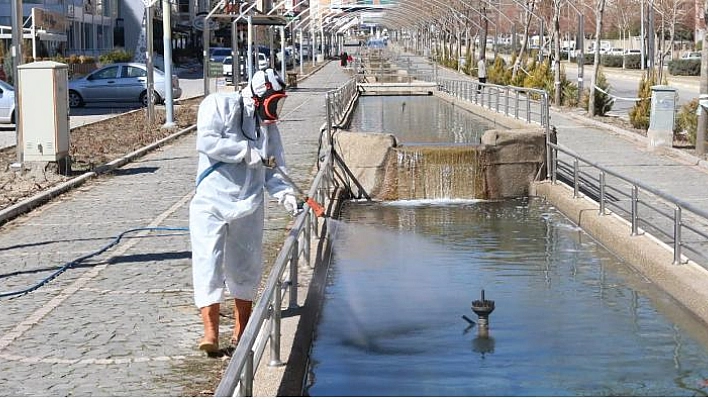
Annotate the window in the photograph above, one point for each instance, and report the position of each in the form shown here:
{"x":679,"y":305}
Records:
{"x":108,"y":73}
{"x":134,"y":72}
{"x":183,"y":6}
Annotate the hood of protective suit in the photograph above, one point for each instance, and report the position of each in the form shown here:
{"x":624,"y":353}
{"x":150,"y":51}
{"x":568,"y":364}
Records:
{"x":258,"y":83}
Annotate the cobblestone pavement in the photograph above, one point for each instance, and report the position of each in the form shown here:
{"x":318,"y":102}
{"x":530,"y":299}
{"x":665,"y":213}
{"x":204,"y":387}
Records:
{"x":123,"y":323}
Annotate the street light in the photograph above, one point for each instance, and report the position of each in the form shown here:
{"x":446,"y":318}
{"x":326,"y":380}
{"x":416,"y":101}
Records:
{"x":581,"y":45}
{"x":167,"y":55}
{"x":17,"y":60}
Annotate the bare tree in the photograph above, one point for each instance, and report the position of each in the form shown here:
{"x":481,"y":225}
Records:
{"x":703,"y":90}
{"x":556,"y":51}
{"x":622,"y":14}
{"x":671,"y":13}
{"x":599,"y":11}
{"x":525,"y":38}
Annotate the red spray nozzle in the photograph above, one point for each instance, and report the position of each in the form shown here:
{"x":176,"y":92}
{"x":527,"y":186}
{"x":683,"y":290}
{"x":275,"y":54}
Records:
{"x":316,"y":207}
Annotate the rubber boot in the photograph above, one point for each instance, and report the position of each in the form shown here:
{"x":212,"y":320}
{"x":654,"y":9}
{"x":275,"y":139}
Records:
{"x":242,"y":312}
{"x":210,"y":318}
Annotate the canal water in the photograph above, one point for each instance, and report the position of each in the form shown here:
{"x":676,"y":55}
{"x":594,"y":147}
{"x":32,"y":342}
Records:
{"x":418,"y":120}
{"x":570,"y":318}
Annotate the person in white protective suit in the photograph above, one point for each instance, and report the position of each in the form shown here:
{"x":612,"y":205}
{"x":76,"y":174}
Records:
{"x":236,"y":132}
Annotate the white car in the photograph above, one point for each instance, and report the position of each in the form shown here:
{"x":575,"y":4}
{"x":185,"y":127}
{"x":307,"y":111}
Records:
{"x":615,"y":51}
{"x":7,"y":103}
{"x":227,"y":68}
{"x":692,"y":55}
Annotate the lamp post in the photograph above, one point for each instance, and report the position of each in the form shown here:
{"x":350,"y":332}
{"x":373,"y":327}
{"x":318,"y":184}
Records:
{"x":167,"y":54}
{"x":17,"y":61}
{"x":581,"y":47}
{"x":149,"y":12}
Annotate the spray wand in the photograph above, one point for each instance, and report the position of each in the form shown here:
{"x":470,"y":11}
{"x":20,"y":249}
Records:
{"x":314,"y":205}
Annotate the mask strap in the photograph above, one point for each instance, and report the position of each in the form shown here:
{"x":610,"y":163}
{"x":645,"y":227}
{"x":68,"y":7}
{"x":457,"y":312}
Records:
{"x":258,"y":125}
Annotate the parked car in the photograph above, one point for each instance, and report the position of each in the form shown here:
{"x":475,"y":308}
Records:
{"x":691,"y":55}
{"x":119,"y":82}
{"x":615,"y":51}
{"x":227,"y":68}
{"x":289,"y":58}
{"x":7,"y":103}
{"x":217,"y":54}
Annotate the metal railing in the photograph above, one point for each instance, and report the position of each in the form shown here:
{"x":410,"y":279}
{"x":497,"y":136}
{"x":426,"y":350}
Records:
{"x":264,"y":324}
{"x":528,"y":105}
{"x":340,"y":103}
{"x":677,"y":223}
{"x":263,"y":327}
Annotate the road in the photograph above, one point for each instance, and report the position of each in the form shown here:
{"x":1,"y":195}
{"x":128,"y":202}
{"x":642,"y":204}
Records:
{"x":192,"y":85}
{"x":624,"y":85}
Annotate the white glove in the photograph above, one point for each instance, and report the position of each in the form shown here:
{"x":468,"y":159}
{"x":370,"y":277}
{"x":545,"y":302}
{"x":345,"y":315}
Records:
{"x":289,"y":201}
{"x":253,"y":156}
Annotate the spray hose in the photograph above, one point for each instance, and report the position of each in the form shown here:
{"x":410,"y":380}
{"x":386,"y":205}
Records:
{"x":77,"y":261}
{"x":270,"y":163}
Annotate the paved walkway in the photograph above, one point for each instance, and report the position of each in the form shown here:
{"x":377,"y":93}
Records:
{"x":123,"y":322}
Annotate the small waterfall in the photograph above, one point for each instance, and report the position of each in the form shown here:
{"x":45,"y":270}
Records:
{"x":434,"y":172}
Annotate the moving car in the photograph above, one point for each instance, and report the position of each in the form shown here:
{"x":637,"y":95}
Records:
{"x":120,"y":82}
{"x":7,"y":103}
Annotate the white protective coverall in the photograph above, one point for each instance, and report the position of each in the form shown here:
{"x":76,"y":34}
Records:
{"x":226,"y":215}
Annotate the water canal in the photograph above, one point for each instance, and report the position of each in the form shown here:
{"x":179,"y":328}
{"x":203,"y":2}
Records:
{"x":418,"y":120}
{"x":570,"y":318}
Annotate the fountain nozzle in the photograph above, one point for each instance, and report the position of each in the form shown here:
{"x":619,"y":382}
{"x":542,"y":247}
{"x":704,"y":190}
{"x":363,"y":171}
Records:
{"x":483,"y":308}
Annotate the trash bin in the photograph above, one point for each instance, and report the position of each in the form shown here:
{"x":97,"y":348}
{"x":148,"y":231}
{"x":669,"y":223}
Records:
{"x":661,"y":121}
{"x":292,"y":79}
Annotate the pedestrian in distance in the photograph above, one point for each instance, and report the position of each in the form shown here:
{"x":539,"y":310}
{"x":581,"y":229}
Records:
{"x":236,"y":132}
{"x":343,"y":58}
{"x":481,"y":73}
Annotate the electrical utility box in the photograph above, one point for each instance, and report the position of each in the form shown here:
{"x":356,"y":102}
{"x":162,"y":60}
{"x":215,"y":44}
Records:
{"x":44,"y":111}
{"x":663,"y":111}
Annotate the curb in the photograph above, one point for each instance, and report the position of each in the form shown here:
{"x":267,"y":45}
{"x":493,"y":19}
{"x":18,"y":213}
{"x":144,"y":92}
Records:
{"x":28,"y":204}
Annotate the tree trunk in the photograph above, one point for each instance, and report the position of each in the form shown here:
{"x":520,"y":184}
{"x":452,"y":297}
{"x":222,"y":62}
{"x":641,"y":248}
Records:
{"x":599,"y":10}
{"x":703,"y":90}
{"x":483,"y":39}
{"x":556,"y":50}
{"x":524,"y":43}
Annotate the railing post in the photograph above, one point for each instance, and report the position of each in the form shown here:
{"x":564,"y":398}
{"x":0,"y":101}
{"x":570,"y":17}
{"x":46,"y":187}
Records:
{"x":516,"y":105}
{"x":576,"y":183}
{"x":554,"y":164}
{"x":329,"y":118}
{"x":677,"y":235}
{"x":307,"y":238}
{"x":496,"y":91}
{"x":247,"y":376}
{"x":635,"y":216}
{"x":294,"y":274}
{"x":506,"y":101}
{"x":602,"y":192}
{"x":275,"y":326}
{"x":528,"y":108}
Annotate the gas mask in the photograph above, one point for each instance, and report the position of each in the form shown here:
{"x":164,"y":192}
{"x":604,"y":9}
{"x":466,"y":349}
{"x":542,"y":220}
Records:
{"x":269,"y":105}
